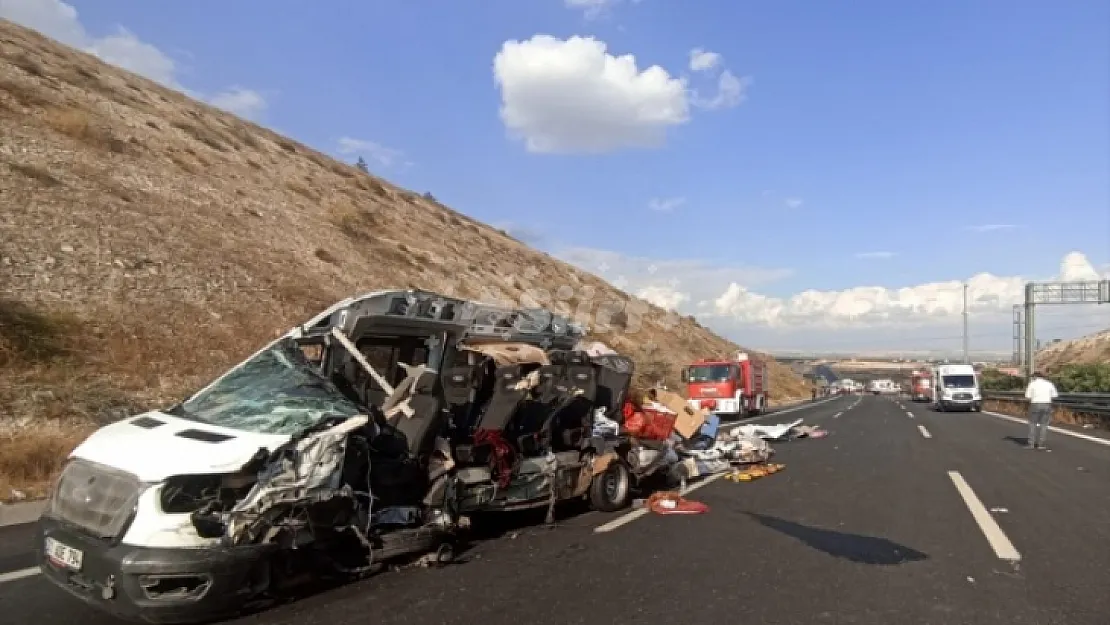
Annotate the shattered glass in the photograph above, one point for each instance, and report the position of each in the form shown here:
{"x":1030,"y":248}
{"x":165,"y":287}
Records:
{"x":277,"y":391}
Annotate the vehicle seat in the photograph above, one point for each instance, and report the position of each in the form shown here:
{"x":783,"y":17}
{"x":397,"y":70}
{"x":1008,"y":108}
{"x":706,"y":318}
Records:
{"x":460,"y":389}
{"x":428,"y":418}
{"x":574,"y":420}
{"x":505,"y":400}
{"x":613,"y":376}
{"x":536,"y":410}
{"x":477,"y":385}
{"x":489,"y":436}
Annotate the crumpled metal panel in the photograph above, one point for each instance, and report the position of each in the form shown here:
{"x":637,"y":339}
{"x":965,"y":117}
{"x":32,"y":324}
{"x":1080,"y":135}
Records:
{"x":312,"y":472}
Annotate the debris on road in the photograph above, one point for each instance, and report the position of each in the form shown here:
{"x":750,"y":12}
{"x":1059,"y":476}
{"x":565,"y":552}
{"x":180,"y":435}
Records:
{"x":754,"y":472}
{"x":767,"y":432}
{"x":670,"y":502}
{"x":809,"y":431}
{"x":784,"y":431}
{"x":707,"y":449}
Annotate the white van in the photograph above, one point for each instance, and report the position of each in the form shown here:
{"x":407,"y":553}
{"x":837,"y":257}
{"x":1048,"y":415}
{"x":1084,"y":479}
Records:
{"x":956,"y":388}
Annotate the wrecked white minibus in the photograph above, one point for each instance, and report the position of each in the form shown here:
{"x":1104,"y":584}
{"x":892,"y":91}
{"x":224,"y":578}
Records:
{"x":366,"y":434}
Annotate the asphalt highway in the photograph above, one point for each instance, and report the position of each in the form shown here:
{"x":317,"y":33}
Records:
{"x":900,"y":515}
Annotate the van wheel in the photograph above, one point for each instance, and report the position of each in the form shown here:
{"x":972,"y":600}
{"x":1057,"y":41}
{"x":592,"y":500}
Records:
{"x":611,"y":489}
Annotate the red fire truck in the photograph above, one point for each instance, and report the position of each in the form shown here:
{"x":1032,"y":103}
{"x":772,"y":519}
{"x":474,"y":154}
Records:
{"x":732,"y":386}
{"x":921,"y":386}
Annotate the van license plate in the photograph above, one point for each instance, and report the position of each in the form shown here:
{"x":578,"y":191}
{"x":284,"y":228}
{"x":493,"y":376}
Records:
{"x":64,"y":555}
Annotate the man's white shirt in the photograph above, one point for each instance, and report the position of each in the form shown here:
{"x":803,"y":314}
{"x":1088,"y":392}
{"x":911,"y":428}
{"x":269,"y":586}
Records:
{"x":1040,"y":391}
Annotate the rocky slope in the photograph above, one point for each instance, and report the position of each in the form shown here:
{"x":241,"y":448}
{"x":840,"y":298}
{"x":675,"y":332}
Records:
{"x":149,"y":241}
{"x":1087,"y":350}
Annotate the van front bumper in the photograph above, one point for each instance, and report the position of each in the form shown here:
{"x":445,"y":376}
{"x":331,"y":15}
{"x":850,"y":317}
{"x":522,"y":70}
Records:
{"x":155,"y":585}
{"x":962,"y":404}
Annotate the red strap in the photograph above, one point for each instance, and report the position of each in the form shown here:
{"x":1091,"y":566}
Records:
{"x":501,"y":456}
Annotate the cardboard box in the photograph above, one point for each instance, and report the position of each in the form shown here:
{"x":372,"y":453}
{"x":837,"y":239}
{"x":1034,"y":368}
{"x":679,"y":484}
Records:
{"x":689,"y":419}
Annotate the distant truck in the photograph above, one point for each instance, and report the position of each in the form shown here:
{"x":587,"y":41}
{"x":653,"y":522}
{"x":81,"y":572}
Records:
{"x":921,"y":386}
{"x":877,"y":387}
{"x":736,"y":386}
{"x":956,"y":387}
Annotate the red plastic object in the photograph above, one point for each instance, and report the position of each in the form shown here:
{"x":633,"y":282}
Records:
{"x":650,"y":424}
{"x":658,"y":425}
{"x":670,"y":503}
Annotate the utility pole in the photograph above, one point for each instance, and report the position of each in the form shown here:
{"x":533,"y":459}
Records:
{"x":967,"y":355}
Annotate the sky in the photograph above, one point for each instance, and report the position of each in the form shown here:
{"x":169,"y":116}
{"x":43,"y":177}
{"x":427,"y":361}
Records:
{"x":798,"y":175}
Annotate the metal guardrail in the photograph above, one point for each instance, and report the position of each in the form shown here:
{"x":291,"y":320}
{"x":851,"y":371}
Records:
{"x":1091,"y":403}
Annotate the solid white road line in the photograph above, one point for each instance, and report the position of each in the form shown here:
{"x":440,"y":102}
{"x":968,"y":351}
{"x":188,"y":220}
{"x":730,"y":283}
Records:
{"x":629,"y":517}
{"x":924,"y":432}
{"x":837,"y":415}
{"x":1053,"y":428}
{"x":11,"y":576}
{"x":1002,"y":546}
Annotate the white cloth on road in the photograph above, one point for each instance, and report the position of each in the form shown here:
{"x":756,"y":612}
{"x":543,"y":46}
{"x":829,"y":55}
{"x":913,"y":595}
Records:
{"x":770,"y":432}
{"x":1040,"y":391}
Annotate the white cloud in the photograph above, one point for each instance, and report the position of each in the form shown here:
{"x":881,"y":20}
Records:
{"x":1076,"y":266}
{"x":731,"y":91}
{"x":703,"y":60}
{"x":57,"y":20}
{"x":60,"y":21}
{"x":927,"y":316}
{"x":664,"y":297}
{"x":793,"y":202}
{"x":875,"y":255}
{"x":385,"y":156}
{"x":563,"y":96}
{"x":666,"y":205}
{"x":923,"y":304}
{"x":245,"y":103}
{"x":681,"y":281}
{"x":125,"y":50}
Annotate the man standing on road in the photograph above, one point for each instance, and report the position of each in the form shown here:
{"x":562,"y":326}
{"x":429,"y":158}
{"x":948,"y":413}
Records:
{"x":1040,"y":394}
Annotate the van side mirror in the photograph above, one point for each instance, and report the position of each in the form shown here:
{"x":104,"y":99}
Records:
{"x":685,"y":375}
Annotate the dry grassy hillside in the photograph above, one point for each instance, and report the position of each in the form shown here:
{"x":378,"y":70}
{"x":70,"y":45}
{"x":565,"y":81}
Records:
{"x":1087,"y":350}
{"x":148,"y":241}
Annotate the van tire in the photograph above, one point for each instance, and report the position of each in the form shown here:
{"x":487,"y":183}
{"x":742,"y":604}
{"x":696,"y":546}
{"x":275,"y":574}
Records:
{"x":611,"y":490}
